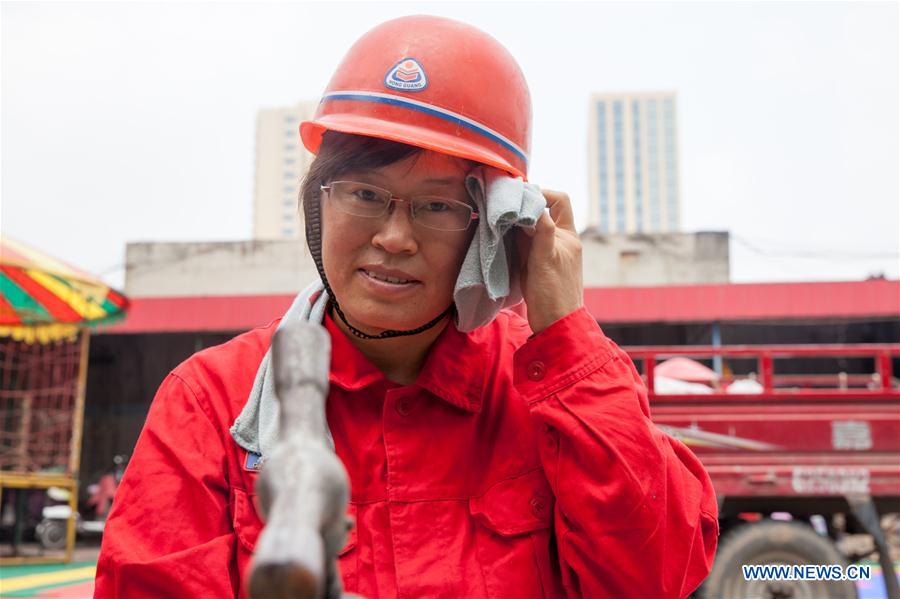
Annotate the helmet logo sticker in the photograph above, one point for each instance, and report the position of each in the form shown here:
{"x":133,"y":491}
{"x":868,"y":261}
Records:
{"x":407,"y":75}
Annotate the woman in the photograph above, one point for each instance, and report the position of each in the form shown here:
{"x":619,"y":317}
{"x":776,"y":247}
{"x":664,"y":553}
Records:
{"x":514,"y":460}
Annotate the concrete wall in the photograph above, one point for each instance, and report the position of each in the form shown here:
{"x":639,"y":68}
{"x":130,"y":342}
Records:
{"x":661,"y":259}
{"x":285,"y":266}
{"x":217,"y":268}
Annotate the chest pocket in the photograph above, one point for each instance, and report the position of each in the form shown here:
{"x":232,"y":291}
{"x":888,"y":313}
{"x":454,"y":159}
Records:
{"x":246,"y":522}
{"x":248,"y":526}
{"x":514,"y":537}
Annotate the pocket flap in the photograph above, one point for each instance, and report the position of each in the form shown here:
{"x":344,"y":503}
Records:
{"x":517,"y":505}
{"x":246,"y":522}
{"x":248,"y":525}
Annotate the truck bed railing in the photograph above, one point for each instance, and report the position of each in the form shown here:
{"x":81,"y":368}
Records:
{"x":879,"y":383}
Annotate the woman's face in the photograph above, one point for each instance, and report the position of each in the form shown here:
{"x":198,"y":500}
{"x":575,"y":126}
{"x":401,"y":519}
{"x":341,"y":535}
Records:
{"x":358,"y":251}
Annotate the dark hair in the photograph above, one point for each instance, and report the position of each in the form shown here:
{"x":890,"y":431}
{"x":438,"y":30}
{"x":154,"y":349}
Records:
{"x":343,"y":153}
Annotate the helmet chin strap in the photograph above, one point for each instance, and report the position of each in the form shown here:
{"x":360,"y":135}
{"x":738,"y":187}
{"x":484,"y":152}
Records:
{"x":384,"y":334}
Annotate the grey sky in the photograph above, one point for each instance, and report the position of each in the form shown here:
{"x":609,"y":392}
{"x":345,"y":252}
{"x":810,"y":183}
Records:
{"x":126,"y":122}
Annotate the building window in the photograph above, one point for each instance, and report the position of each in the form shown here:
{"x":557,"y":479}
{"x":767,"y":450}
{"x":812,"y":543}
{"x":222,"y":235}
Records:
{"x":604,"y":175}
{"x":287,"y":232}
{"x":290,"y":148}
{"x":289,"y":161}
{"x":289,"y":189}
{"x":671,"y":164}
{"x":653,"y":164}
{"x":638,"y":173}
{"x":289,"y":175}
{"x":619,"y":166}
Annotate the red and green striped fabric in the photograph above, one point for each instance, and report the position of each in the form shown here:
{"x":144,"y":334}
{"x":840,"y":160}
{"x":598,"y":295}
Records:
{"x":43,"y":299}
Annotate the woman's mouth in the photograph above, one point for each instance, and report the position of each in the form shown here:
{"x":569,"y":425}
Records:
{"x":387,"y":279}
{"x":387,"y":282}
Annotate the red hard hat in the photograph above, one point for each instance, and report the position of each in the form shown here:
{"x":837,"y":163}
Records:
{"x":434,"y":83}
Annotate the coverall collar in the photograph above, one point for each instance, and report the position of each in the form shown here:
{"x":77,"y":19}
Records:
{"x":453,"y":370}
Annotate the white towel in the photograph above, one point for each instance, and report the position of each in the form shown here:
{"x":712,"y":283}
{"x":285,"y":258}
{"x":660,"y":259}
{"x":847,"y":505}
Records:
{"x":489,"y":278}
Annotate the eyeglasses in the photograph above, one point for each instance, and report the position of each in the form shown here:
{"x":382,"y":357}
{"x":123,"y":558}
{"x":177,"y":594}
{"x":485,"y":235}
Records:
{"x":368,"y":201}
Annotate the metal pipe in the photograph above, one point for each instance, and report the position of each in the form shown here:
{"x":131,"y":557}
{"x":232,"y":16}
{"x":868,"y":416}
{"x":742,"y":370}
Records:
{"x":303,"y":488}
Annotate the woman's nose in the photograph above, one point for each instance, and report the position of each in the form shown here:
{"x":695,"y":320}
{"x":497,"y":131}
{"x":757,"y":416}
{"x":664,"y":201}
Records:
{"x":396,"y":232}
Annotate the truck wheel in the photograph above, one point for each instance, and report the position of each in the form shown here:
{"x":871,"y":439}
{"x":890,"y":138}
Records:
{"x":774,"y":542}
{"x":51,"y":533}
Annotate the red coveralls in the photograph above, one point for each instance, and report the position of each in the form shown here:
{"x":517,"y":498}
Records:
{"x":513,"y":467}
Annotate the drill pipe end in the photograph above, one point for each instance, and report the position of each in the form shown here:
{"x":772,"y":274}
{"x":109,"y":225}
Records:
{"x":283,"y":581}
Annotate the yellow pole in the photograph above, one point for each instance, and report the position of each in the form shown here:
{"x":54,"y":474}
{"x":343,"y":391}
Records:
{"x":70,"y":525}
{"x":75,"y":448}
{"x":78,"y":416}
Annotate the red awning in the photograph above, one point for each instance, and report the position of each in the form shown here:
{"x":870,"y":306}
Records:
{"x":743,"y":302}
{"x":201,"y":314}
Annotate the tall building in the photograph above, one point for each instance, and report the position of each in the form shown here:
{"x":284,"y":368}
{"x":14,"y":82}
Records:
{"x":281,"y":163}
{"x":634,"y":163}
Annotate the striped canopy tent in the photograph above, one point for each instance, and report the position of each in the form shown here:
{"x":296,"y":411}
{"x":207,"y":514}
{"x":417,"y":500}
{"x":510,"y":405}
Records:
{"x":46,"y":310}
{"x":44,"y":299}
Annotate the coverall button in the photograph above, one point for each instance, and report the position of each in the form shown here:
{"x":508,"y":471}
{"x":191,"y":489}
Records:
{"x":539,"y":506}
{"x":551,"y":439}
{"x":536,"y":370}
{"x":403,"y":406}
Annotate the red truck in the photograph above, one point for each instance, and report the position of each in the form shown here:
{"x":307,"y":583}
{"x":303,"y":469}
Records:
{"x":803,"y":447}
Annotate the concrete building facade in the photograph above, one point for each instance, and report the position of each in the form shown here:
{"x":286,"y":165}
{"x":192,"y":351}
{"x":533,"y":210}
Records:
{"x":623,"y":260}
{"x":633,"y":163}
{"x":217,"y":268}
{"x":281,"y":163}
{"x":268,"y":267}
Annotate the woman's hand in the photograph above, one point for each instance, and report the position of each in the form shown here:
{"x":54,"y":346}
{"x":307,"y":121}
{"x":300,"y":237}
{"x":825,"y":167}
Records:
{"x":551,"y":271}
